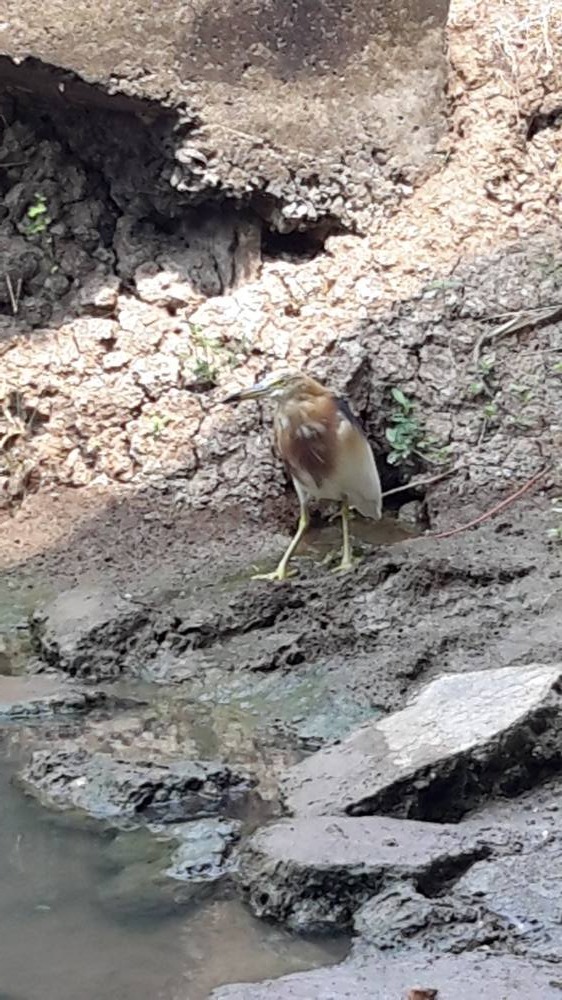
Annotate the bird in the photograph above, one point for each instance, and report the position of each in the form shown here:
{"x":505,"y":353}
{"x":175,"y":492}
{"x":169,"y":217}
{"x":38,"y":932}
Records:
{"x":325,"y":451}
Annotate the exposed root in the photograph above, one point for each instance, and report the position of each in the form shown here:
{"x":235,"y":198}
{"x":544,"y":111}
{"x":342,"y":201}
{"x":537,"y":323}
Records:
{"x":498,"y":507}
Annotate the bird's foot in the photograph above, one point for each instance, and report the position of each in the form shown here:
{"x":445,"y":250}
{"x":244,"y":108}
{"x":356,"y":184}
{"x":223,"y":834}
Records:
{"x":277,"y":576}
{"x":346,"y":565}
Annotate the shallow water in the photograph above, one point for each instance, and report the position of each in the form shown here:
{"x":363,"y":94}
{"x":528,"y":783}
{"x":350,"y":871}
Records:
{"x":66,"y":934}
{"x":80,"y":920}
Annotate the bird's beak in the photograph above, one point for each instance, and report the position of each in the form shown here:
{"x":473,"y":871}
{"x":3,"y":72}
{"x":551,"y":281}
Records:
{"x":252,"y":392}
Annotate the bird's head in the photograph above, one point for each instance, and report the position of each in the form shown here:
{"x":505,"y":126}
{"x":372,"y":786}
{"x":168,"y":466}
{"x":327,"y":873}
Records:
{"x":276,"y":385}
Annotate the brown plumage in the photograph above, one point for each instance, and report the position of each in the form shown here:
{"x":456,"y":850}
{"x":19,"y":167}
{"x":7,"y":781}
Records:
{"x":305,"y":432}
{"x":324,"y":450}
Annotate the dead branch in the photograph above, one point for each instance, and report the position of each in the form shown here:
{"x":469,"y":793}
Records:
{"x":13,"y":295}
{"x":424,"y":482}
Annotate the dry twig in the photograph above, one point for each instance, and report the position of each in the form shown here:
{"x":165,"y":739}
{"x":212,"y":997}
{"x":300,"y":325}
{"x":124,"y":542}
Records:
{"x":424,"y":482}
{"x":529,"y":317}
{"x":14,"y":296}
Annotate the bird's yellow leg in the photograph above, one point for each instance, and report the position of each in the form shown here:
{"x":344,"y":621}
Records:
{"x":282,"y":572}
{"x":347,"y":551}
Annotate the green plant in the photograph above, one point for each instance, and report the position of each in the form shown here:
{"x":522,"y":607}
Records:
{"x":557,"y":368}
{"x":485,"y":371}
{"x":487,"y":364}
{"x":490,"y":410}
{"x":476,"y":388}
{"x":37,"y":219}
{"x":406,"y":437}
{"x":404,"y":431}
{"x":523,"y":392}
{"x":159,"y":423}
{"x":205,"y":373}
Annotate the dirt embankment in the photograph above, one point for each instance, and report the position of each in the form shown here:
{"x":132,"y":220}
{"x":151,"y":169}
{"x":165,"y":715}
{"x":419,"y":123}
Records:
{"x":175,"y":306}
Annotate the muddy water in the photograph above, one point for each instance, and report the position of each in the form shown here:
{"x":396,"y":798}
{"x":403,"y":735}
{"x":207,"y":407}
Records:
{"x":67,"y":933}
{"x":82,"y":919}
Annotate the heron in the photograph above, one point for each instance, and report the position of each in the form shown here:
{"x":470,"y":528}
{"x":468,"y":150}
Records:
{"x":325,"y":451}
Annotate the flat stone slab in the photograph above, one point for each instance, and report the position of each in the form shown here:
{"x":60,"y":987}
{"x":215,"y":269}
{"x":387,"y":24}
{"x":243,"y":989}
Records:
{"x":35,"y":696}
{"x":313,"y":873}
{"x":147,"y":791}
{"x":85,"y":631}
{"x":463,"y":737}
{"x":459,"y":977}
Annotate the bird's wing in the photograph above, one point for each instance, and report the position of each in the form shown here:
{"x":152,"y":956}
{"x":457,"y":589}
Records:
{"x":305,"y":437}
{"x":357,"y":474}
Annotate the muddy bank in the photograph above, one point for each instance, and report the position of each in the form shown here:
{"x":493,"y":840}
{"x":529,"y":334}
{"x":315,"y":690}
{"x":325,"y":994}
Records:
{"x":256,"y":676}
{"x":410,"y":611}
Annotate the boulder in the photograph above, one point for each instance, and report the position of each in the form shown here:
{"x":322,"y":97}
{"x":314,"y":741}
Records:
{"x":314,"y":872}
{"x":141,"y":790}
{"x":84,"y":631}
{"x":463,"y":737}
{"x":234,"y":89}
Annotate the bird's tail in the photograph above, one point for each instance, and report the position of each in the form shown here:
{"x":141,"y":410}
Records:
{"x":368,"y":506}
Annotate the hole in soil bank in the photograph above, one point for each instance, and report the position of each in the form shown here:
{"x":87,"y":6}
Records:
{"x":539,"y":122}
{"x":97,"y":185}
{"x":296,"y":245}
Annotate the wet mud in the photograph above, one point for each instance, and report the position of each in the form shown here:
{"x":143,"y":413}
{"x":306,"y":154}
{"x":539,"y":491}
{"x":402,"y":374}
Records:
{"x":207,"y":690}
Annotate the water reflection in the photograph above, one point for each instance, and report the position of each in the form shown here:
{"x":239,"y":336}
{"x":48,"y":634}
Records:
{"x":65,"y":934}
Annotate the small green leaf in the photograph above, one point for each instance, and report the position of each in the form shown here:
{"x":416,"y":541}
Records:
{"x":476,"y":388}
{"x":402,"y":400}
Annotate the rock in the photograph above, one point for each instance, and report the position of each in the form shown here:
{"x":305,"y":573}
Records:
{"x":203,"y":850}
{"x":29,"y":697}
{"x":114,"y":789}
{"x":233,"y":62}
{"x":313,"y":873}
{"x":411,"y":513}
{"x":459,"y":977}
{"x":114,"y":360}
{"x":85,"y":630}
{"x":144,"y":883}
{"x":464,"y":736}
{"x":100,"y":293}
{"x":524,"y":890}
{"x":401,"y":916}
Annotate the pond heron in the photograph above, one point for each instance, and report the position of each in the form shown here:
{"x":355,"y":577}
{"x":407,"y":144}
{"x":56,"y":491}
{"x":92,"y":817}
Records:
{"x":325,"y":452}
